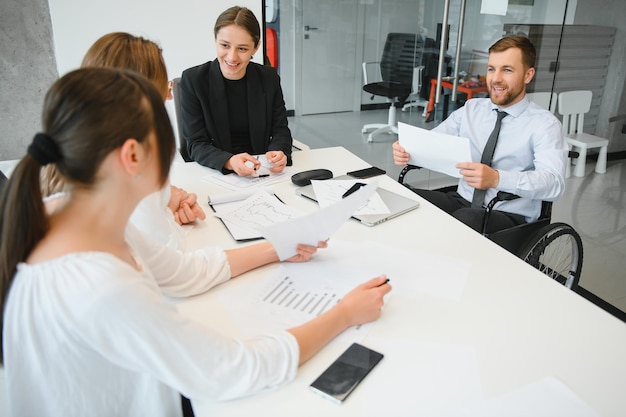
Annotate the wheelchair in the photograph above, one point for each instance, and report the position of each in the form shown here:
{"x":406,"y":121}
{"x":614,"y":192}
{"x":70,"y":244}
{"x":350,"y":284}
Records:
{"x":555,"y":249}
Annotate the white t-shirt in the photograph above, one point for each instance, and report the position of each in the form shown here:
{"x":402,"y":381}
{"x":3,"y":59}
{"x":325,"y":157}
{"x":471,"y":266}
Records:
{"x":87,"y":334}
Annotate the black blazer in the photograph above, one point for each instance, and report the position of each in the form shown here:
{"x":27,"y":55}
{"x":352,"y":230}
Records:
{"x":204,"y":113}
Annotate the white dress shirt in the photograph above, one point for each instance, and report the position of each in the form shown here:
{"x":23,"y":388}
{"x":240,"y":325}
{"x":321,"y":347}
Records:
{"x":530,"y":155}
{"x":88,"y":335}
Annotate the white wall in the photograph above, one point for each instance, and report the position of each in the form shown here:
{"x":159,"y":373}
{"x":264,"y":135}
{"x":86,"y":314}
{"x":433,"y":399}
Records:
{"x":183,"y":28}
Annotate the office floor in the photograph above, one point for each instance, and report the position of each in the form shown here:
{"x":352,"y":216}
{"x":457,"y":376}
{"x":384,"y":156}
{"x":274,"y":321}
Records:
{"x":594,"y":205}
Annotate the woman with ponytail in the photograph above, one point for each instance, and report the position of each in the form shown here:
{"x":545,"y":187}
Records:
{"x":85,"y":327}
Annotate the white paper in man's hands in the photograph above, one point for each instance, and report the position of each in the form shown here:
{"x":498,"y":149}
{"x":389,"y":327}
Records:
{"x":432,"y":150}
{"x":314,"y":227}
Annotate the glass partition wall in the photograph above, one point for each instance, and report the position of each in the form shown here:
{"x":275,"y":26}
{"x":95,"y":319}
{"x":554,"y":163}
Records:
{"x":323,"y":44}
{"x":581,"y":45}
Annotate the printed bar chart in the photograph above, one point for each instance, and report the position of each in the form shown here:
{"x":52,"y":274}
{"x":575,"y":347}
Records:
{"x":286,"y":294}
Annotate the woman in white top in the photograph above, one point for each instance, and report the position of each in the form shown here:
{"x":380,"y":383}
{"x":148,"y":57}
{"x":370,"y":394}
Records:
{"x":85,"y":327}
{"x":161,"y":214}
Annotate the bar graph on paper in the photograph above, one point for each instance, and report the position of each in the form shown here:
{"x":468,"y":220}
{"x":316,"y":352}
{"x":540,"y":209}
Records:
{"x":288,"y":297}
{"x":293,"y":296}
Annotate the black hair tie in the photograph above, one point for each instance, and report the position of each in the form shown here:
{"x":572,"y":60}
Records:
{"x":44,"y":150}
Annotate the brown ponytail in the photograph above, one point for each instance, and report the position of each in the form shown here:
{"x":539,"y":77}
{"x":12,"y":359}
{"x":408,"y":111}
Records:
{"x":87,"y":114}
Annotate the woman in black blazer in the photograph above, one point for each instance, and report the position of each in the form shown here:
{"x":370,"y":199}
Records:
{"x":232,"y":108}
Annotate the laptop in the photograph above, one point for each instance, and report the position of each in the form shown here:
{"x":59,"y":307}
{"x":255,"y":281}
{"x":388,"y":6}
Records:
{"x":396,"y":203}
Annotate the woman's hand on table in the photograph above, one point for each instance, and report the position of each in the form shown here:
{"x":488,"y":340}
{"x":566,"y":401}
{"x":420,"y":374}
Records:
{"x":185,"y":206}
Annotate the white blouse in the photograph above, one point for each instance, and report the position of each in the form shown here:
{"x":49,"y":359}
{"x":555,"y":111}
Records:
{"x":87,"y":334}
{"x":154,"y":218}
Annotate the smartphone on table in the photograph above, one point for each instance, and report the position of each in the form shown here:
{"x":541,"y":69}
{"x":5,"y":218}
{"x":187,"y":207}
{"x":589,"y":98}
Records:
{"x":367,"y":172}
{"x":344,"y":374}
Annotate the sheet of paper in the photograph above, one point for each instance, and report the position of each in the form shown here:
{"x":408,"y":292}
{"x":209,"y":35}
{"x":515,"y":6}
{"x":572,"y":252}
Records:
{"x":225,"y":202}
{"x":330,"y":192}
{"x":413,"y":274}
{"x":314,"y":227}
{"x":259,"y":210}
{"x":430,"y":274}
{"x":236,"y":182}
{"x":238,"y":232}
{"x":298,"y":292}
{"x":435,"y":151}
{"x":286,"y":298}
{"x":548,"y":397}
{"x":230,"y":196}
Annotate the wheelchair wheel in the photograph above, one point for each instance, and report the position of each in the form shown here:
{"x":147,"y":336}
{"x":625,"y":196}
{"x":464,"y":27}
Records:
{"x":557,"y":251}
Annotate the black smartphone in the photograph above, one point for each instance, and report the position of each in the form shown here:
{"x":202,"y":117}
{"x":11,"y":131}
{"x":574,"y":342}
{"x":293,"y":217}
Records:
{"x":367,"y":172}
{"x":342,"y":376}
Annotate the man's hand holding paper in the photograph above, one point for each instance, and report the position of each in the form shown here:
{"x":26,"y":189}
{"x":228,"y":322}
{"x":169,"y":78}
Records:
{"x":435,"y":151}
{"x":479,"y":176}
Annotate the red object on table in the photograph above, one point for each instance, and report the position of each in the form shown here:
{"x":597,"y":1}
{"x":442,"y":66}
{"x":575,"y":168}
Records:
{"x":470,"y":91}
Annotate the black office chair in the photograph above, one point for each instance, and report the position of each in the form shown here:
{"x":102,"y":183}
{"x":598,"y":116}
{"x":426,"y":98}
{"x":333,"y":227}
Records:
{"x":401,"y":55}
{"x":182,"y":142}
{"x":3,"y":179}
{"x":555,"y":249}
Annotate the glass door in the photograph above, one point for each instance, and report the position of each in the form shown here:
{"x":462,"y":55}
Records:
{"x":328,"y":42}
{"x":473,"y":26}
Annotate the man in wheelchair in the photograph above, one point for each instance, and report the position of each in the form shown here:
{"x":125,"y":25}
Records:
{"x":531,"y":153}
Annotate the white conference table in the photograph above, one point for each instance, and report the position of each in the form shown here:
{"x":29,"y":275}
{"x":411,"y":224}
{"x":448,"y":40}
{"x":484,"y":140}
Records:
{"x":516,"y":326}
{"x":511,"y":325}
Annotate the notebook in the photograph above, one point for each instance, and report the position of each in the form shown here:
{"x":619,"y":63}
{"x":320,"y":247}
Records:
{"x":223,"y":202}
{"x":396,"y":203}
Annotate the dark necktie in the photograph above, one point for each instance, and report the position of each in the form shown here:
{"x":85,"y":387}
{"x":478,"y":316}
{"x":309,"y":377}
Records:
{"x":487,"y":157}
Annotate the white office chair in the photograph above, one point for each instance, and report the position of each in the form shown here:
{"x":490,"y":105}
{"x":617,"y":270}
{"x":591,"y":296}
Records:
{"x":545,"y":99}
{"x":415,"y":100}
{"x":572,"y":106}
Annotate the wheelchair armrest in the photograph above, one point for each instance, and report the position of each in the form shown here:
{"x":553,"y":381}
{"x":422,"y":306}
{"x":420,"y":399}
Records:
{"x":405,"y":171}
{"x":501,"y":196}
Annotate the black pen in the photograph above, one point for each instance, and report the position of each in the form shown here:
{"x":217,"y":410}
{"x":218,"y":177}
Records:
{"x":386,"y":281}
{"x":264,"y":175}
{"x":353,"y":189}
